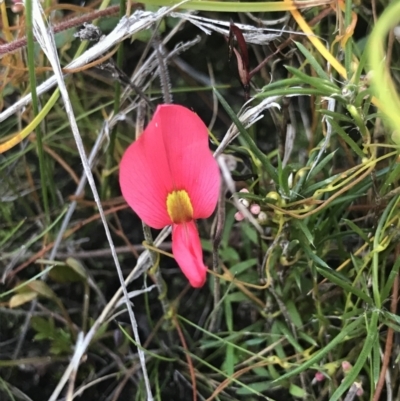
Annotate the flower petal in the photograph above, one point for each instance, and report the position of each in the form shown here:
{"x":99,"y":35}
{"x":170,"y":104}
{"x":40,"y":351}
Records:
{"x":186,"y":248}
{"x":171,"y":154}
{"x":145,"y":178}
{"x":192,"y":166}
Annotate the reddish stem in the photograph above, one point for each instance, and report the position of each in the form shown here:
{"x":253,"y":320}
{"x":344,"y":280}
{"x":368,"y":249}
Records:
{"x":64,"y":25}
{"x":389,"y":338}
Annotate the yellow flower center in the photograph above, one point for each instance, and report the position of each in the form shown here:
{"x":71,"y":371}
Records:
{"x":179,"y":207}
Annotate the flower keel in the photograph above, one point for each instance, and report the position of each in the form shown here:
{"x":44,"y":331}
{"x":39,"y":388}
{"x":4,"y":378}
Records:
{"x":186,"y":248}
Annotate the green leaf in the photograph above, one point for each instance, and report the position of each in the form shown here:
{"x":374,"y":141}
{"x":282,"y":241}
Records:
{"x":20,"y":299}
{"x":289,"y":336}
{"x":297,"y":391}
{"x":337,"y":117}
{"x":77,"y":267}
{"x":392,"y":316}
{"x":229,"y":254}
{"x":44,"y":327}
{"x":346,"y":138}
{"x":41,"y":324}
{"x":260,"y":371}
{"x":343,"y":282}
{"x":320,"y":166}
{"x":250,"y":233}
{"x":237,"y":297}
{"x":294,"y":92}
{"x":326,"y":87}
{"x":284,"y":180}
{"x":229,"y":222}
{"x":357,"y":230}
{"x":13,"y":230}
{"x":42,"y":289}
{"x":239,"y":268}
{"x":376,"y":362}
{"x":64,"y":273}
{"x":279,"y":84}
{"x":313,"y":62}
{"x":256,"y":387}
{"x":252,"y":146}
{"x":301,"y":225}
{"x":62,"y":343}
{"x":294,"y":313}
{"x":351,"y":377}
{"x":380,"y":232}
{"x":308,"y":338}
{"x":389,"y":283}
{"x":391,"y":179}
{"x":314,"y":359}
{"x":313,"y":256}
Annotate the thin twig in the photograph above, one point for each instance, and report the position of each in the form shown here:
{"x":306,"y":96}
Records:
{"x":56,"y":243}
{"x":389,"y":338}
{"x":47,"y":44}
{"x":142,"y":264}
{"x":101,"y":253}
{"x":63,"y":26}
{"x":188,"y":358}
{"x":216,"y":236}
{"x":163,"y":70}
{"x":125,"y":28}
{"x":352,"y":393}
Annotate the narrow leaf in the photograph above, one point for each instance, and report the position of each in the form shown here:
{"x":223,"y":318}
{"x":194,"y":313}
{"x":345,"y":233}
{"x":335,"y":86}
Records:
{"x":313,"y":62}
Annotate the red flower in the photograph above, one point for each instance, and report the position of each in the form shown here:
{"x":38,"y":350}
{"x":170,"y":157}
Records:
{"x":169,"y":176}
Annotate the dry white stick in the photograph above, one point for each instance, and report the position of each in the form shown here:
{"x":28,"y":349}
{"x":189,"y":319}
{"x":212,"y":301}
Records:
{"x":226,"y":175}
{"x":327,"y":139}
{"x":141,"y":265}
{"x":247,"y":116}
{"x":47,"y":43}
{"x":289,"y":143}
{"x":252,"y":34}
{"x":126,"y":27}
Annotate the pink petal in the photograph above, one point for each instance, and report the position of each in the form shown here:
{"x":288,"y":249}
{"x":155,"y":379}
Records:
{"x":255,"y":208}
{"x":319,"y":376}
{"x":145,"y":178}
{"x":239,"y":216}
{"x":171,"y":154}
{"x":186,"y":248}
{"x":192,"y":166}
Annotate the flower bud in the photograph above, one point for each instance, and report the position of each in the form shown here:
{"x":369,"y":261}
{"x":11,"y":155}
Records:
{"x":262,"y":218}
{"x":360,"y":391}
{"x":244,"y":202}
{"x":273,"y":196}
{"x":239,"y":216}
{"x":346,"y":366}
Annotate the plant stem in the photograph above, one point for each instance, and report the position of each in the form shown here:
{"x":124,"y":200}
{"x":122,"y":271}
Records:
{"x":117,"y":95}
{"x":32,"y":80}
{"x":348,"y":45}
